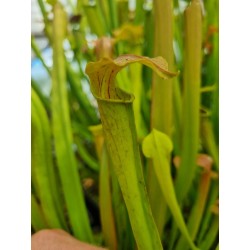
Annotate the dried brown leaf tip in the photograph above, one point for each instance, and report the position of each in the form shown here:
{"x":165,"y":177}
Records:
{"x":203,"y":160}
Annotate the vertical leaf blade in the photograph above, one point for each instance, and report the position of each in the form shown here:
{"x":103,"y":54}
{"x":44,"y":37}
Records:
{"x":37,"y":219}
{"x":117,"y":117}
{"x":191,"y":98}
{"x":162,"y":93}
{"x":106,"y":208}
{"x":42,"y":166}
{"x":63,"y":135}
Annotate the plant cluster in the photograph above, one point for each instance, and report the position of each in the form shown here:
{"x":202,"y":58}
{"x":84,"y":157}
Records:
{"x":125,"y":146}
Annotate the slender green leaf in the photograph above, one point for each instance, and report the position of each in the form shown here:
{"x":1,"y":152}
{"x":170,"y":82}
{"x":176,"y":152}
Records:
{"x":162,"y":92}
{"x":47,"y":23}
{"x":43,"y":98}
{"x":117,"y":117}
{"x":76,"y":87}
{"x":113,"y":13}
{"x":191,"y":99}
{"x":95,"y":19}
{"x":42,"y":165}
{"x":196,"y":214}
{"x":211,"y":235}
{"x":209,"y":141}
{"x":161,"y":113}
{"x":39,"y":54}
{"x":139,"y":12}
{"x":98,"y":139}
{"x":122,"y":11}
{"x":86,"y":156}
{"x":106,"y":208}
{"x":124,"y":231}
{"x":158,"y":146}
{"x":105,"y":12}
{"x":61,"y":125}
{"x":37,"y":219}
{"x":207,"y":217}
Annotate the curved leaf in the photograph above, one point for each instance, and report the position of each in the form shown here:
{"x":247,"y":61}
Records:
{"x":102,"y":75}
{"x":117,"y":117}
{"x":158,"y":146}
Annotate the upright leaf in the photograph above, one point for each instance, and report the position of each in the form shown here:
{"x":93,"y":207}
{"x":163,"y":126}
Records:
{"x":162,"y":93}
{"x":61,"y":125}
{"x":211,"y":235}
{"x":158,"y":146}
{"x":191,"y":98}
{"x":117,"y":117}
{"x":43,"y":172}
{"x":197,"y":211}
{"x":106,"y":208}
{"x":37,"y":218}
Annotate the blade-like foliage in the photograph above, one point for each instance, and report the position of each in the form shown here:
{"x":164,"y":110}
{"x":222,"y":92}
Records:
{"x":63,"y":135}
{"x":117,"y":117}
{"x":158,"y":146}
